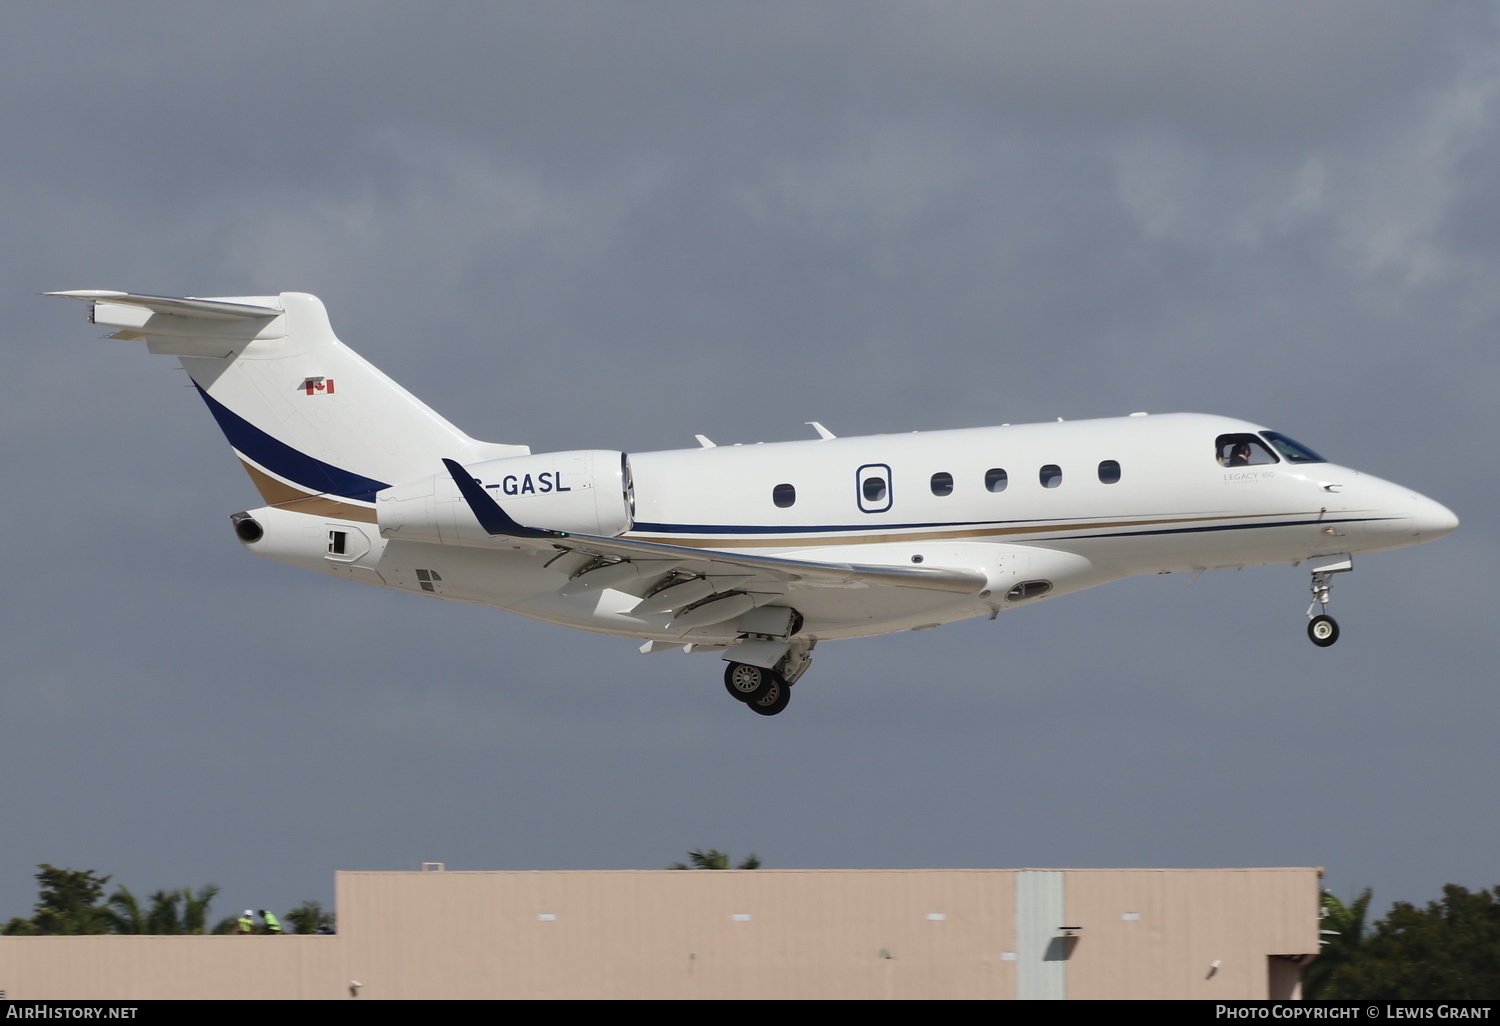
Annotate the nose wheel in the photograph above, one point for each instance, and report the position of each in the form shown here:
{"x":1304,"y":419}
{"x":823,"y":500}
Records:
{"x":1323,"y":629}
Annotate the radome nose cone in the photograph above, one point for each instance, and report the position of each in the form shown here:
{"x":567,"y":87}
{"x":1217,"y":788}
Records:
{"x":1432,"y":519}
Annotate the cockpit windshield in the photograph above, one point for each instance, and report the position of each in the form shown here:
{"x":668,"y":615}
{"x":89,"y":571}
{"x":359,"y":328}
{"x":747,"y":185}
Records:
{"x":1292,"y":452}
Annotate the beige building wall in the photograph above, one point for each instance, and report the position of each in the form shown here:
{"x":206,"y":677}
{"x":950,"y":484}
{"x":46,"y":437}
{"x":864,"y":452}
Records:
{"x":721,"y":934}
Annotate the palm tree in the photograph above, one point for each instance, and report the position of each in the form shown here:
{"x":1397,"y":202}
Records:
{"x":1343,"y":930}
{"x":195,"y":908}
{"x":163,"y":917}
{"x":124,"y":912}
{"x":713,"y":858}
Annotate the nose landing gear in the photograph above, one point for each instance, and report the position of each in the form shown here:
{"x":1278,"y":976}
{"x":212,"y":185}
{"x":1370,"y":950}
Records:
{"x":1323,"y":629}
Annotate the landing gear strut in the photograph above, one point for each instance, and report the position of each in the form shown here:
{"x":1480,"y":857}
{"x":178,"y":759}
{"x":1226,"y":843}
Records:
{"x":1323,"y":629}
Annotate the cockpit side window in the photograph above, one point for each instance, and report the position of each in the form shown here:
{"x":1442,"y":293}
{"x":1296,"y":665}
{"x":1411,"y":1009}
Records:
{"x":1292,"y":452}
{"x":1243,"y":451}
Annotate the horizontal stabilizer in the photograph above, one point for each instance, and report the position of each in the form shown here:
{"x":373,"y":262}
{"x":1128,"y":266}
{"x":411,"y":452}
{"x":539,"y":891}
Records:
{"x":210,"y":309}
{"x":172,"y":326}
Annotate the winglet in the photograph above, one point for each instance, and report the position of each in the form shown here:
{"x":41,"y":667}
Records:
{"x":486,"y":510}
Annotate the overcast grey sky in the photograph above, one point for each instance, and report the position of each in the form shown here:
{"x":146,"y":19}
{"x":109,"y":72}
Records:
{"x":618,"y":224}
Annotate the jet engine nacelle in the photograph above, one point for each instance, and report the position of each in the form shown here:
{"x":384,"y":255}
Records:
{"x":585,"y":491}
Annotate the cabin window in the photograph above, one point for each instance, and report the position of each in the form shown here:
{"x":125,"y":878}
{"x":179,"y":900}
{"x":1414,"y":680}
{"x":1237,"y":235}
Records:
{"x":1050,"y":476}
{"x":995,"y":480}
{"x":1292,"y":452}
{"x":942,"y":483}
{"x":1109,"y":472}
{"x":873,"y":481}
{"x":784,"y":495}
{"x":1243,"y":451}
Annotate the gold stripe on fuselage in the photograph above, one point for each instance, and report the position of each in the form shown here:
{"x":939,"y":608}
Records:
{"x":788,"y":541}
{"x":284,"y":496}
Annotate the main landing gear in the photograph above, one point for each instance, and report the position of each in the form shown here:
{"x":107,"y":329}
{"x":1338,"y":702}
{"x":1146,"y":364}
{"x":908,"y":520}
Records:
{"x":1324,"y":629}
{"x":768,"y":691}
{"x":764,"y":691}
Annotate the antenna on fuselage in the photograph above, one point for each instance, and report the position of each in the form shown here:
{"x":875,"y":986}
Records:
{"x":822,"y":431}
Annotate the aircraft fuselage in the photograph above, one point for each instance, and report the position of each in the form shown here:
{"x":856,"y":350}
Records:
{"x":1069,"y":504}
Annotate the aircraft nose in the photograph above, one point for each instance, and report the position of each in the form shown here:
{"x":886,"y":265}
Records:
{"x":1431,"y":519}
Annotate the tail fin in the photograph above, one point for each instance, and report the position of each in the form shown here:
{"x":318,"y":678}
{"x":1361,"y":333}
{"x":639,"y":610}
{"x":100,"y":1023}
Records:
{"x":317,"y":428}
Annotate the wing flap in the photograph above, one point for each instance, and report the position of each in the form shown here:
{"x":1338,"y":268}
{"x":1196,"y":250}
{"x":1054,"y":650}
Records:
{"x":780,"y":569}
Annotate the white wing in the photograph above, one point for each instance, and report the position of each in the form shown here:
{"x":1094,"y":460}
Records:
{"x":701,"y":587}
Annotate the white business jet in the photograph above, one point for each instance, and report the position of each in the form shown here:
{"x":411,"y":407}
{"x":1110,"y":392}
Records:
{"x":757,"y":552}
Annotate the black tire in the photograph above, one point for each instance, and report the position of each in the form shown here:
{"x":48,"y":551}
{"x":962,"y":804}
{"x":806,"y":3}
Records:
{"x":746,"y":683}
{"x":774,"y":700}
{"x":1323,"y":630}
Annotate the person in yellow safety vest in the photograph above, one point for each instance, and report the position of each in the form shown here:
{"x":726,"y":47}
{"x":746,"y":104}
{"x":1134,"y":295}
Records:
{"x":245,"y":923}
{"x":273,"y":925}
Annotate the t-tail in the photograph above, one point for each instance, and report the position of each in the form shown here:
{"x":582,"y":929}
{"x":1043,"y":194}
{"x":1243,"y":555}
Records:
{"x":318,"y":429}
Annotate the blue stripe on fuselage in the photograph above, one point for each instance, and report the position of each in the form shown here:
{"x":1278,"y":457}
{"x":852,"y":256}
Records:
{"x":285,"y":462}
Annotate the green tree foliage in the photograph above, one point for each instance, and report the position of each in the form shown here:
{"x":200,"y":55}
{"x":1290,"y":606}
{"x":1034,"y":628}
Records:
{"x":125,"y":912}
{"x":195,"y":908}
{"x":1448,"y":951}
{"x":68,"y":903}
{"x":172,"y":912}
{"x":713,"y":858}
{"x":1343,"y":934}
{"x":308,"y":917}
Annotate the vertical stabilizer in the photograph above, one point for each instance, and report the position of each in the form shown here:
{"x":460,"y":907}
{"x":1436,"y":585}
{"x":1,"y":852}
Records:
{"x":316,"y":426}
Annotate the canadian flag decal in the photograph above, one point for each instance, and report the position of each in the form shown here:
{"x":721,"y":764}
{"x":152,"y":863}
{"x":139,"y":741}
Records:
{"x":318,"y":386}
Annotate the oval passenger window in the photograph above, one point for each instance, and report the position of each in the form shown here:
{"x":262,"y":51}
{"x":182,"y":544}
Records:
{"x":942,"y":484}
{"x":784,"y":495}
